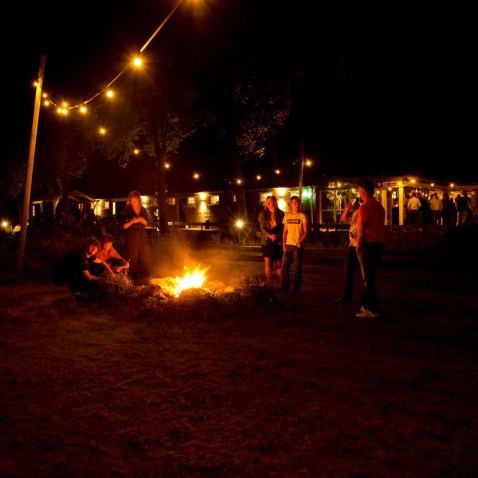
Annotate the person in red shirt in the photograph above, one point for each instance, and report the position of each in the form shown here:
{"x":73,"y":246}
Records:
{"x":110,"y":255}
{"x":370,"y":237}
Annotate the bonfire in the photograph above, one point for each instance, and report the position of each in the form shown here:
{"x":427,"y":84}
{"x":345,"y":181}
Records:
{"x":195,"y":279}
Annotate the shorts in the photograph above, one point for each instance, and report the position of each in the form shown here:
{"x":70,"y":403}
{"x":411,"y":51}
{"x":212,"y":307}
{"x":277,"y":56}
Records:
{"x":273,"y":251}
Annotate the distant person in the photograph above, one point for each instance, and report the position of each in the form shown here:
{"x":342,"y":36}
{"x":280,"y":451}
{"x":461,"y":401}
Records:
{"x":370,"y":237}
{"x":351,"y":261}
{"x":270,"y":222}
{"x":424,"y":209}
{"x":474,"y":206}
{"x":295,"y":233}
{"x":414,"y":209}
{"x":406,"y":217}
{"x":134,"y":221}
{"x":463,"y":208}
{"x":447,"y":210}
{"x":436,"y":205}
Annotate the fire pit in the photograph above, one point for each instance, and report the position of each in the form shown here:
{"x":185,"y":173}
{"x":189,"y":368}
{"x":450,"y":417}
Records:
{"x":195,"y":279}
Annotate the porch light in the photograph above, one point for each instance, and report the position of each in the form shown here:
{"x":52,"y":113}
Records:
{"x":306,"y":193}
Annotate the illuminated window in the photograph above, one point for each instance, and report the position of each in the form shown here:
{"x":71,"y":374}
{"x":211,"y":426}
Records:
{"x":263,"y":196}
{"x":171,"y":201}
{"x":192,"y":201}
{"x":213,"y":199}
{"x":233,"y":198}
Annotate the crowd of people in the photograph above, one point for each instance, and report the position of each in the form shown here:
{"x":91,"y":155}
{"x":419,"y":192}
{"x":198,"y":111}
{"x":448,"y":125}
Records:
{"x":283,"y":245}
{"x":441,"y":211}
{"x":283,"y":237}
{"x":99,"y":260}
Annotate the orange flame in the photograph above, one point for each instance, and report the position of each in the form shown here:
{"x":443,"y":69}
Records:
{"x":193,"y":280}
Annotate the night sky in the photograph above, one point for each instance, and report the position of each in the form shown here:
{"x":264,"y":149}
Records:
{"x":382,"y":91}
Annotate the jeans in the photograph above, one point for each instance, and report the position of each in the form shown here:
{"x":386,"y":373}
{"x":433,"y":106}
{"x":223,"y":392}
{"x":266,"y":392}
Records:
{"x":461,"y":217}
{"x":351,"y":264}
{"x":370,"y":256}
{"x":293,"y":255}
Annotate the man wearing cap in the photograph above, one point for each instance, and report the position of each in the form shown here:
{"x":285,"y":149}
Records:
{"x":370,"y":237}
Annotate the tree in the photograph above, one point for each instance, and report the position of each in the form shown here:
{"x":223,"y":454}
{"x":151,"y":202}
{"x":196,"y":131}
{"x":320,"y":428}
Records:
{"x":157,"y":112}
{"x":250,"y":101}
{"x":63,"y":147}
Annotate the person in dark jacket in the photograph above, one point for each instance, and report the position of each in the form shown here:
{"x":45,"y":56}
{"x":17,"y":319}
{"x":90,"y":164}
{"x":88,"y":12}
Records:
{"x":134,"y":222}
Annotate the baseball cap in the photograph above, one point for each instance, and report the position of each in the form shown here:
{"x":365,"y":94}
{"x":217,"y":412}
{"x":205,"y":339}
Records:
{"x":367,"y":185}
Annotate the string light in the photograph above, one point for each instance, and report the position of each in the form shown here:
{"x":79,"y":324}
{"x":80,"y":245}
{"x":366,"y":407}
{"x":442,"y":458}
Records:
{"x":109,"y":93}
{"x":137,"y":62}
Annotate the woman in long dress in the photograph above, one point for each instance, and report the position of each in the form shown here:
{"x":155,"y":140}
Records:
{"x":134,"y":221}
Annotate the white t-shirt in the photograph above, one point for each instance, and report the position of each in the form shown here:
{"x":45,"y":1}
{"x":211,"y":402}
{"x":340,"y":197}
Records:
{"x":295,"y":227}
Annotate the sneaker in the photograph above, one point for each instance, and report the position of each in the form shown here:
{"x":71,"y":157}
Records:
{"x":366,"y":313}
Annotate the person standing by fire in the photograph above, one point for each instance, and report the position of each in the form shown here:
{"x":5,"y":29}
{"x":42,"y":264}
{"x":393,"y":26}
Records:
{"x":134,"y":222}
{"x":270,"y":221}
{"x":295,"y":233}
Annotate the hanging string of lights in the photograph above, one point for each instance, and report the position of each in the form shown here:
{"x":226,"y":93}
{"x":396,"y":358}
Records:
{"x":63,"y":108}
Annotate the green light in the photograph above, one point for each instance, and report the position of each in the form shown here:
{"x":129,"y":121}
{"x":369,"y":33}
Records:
{"x":306,"y":193}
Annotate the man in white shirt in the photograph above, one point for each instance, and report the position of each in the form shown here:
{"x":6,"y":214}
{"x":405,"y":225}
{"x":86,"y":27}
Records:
{"x":295,"y":233}
{"x":435,"y":207}
{"x":414,"y":209}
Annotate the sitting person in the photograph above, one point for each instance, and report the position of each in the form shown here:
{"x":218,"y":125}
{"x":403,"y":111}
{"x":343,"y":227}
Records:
{"x":87,"y":270}
{"x":109,"y":254}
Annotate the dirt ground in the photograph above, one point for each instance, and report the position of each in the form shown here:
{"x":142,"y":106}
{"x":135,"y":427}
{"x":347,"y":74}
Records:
{"x":257,"y":386}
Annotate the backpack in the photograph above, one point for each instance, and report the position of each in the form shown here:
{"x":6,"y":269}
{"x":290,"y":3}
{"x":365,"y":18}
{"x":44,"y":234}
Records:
{"x":64,"y":269}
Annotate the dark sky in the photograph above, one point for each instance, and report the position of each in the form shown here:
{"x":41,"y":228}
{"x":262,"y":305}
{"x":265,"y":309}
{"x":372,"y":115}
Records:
{"x":405,"y":105}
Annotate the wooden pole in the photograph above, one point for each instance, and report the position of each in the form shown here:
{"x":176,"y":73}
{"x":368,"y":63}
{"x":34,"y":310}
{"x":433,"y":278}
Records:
{"x":301,"y":171}
{"x":31,"y":158}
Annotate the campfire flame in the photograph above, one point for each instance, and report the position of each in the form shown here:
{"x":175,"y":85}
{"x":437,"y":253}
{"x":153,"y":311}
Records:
{"x":191,"y":280}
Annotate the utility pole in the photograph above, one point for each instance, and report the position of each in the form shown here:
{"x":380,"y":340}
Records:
{"x":301,"y":171}
{"x":31,"y":158}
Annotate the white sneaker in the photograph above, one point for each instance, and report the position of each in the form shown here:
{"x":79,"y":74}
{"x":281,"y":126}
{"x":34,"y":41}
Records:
{"x":366,"y":313}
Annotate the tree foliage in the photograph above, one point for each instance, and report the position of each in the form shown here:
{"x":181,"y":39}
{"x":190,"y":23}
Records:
{"x":250,"y":100}
{"x":157,"y":112}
